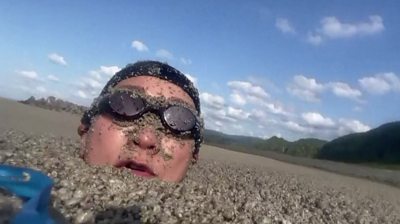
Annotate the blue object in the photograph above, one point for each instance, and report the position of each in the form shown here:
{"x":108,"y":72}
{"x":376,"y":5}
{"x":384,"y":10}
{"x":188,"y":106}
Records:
{"x":34,"y":188}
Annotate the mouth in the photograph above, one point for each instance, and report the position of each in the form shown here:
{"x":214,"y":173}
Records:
{"x":137,"y":169}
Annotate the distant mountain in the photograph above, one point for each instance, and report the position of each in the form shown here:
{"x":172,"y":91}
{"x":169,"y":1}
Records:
{"x":52,"y":103}
{"x":379,"y":145}
{"x":304,"y":147}
{"x":211,"y":136}
{"x":307,"y":147}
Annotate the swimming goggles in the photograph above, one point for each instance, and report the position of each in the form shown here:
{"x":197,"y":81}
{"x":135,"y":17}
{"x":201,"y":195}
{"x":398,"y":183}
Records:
{"x":125,"y":105}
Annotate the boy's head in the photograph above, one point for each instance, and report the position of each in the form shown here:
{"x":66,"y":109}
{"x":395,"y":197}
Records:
{"x":146,"y":119}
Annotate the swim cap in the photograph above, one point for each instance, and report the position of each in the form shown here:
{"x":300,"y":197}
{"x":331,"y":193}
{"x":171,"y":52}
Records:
{"x":149,"y":68}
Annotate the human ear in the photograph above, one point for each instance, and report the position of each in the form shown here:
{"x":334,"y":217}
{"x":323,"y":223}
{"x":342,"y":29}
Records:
{"x":195,"y":157}
{"x":82,"y":132}
{"x":82,"y":129}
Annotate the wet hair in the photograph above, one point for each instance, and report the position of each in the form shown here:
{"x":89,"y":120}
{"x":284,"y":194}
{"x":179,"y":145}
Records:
{"x":149,"y":68}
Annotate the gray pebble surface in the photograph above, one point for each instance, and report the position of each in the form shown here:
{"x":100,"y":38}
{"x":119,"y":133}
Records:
{"x":212,"y":192}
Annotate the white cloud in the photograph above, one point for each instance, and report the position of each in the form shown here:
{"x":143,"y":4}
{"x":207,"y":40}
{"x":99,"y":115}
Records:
{"x":249,"y":88}
{"x":237,"y":113}
{"x":41,"y":89}
{"x":380,"y":83}
{"x":275,"y":108}
{"x":139,"y":46}
{"x":219,"y":123}
{"x":238,"y":99}
{"x":186,"y":61}
{"x":104,"y":70}
{"x":110,"y":70}
{"x":261,"y":118}
{"x":308,"y":83}
{"x":347,"y":126}
{"x":283,"y":25}
{"x":317,"y":120}
{"x":219,"y":116}
{"x":246,"y":92}
{"x":162,"y":53}
{"x":344,"y":90}
{"x":239,"y":127}
{"x":254,"y":100}
{"x":53,"y":78}
{"x":331,"y":27}
{"x":265,"y":83}
{"x":56,"y":58}
{"x":213,"y":115}
{"x":293,"y":126}
{"x":82,"y":94}
{"x":91,"y":83}
{"x":29,"y":74}
{"x":191,"y":78}
{"x":375,"y":85}
{"x":307,"y":89}
{"x":393,"y":79}
{"x":213,"y":101}
{"x":95,"y":74}
{"x":89,"y":87}
{"x":258,"y":115}
{"x":312,"y":124}
{"x":314,"y":39}
{"x":357,"y":109}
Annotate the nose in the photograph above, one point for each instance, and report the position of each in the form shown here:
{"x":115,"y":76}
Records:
{"x":147,"y":139}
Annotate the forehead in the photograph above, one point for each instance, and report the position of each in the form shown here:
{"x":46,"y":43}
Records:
{"x":157,"y":87}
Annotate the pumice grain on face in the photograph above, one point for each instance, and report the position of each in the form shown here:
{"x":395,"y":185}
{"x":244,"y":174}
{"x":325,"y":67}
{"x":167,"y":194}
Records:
{"x":166,"y":154}
{"x":132,"y":130}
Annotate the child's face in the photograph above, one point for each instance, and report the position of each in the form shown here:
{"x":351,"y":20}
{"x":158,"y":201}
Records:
{"x":143,"y":146}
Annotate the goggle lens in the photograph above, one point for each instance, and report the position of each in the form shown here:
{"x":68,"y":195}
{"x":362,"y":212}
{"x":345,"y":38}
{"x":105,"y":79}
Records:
{"x":179,"y":118}
{"x":125,"y":104}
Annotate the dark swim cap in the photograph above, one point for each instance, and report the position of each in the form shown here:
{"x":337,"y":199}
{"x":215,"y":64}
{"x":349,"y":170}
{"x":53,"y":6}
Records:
{"x":149,"y":68}
{"x":156,"y":69}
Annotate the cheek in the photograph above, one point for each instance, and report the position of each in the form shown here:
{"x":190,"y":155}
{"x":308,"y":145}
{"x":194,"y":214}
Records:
{"x":104,"y":142}
{"x":175,"y":158}
{"x":177,"y":149}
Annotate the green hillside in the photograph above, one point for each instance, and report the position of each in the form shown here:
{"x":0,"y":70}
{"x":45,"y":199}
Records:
{"x":379,"y":145}
{"x":302,"y":147}
{"x":306,"y":147}
{"x":234,"y":142}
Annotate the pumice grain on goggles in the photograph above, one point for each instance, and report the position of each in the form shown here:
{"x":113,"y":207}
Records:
{"x":128,"y":105}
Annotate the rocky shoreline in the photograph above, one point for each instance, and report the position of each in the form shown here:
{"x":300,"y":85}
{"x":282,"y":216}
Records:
{"x":213,"y":192}
{"x":52,"y":103}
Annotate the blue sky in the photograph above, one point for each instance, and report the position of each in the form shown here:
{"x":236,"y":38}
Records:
{"x":287,"y":68}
